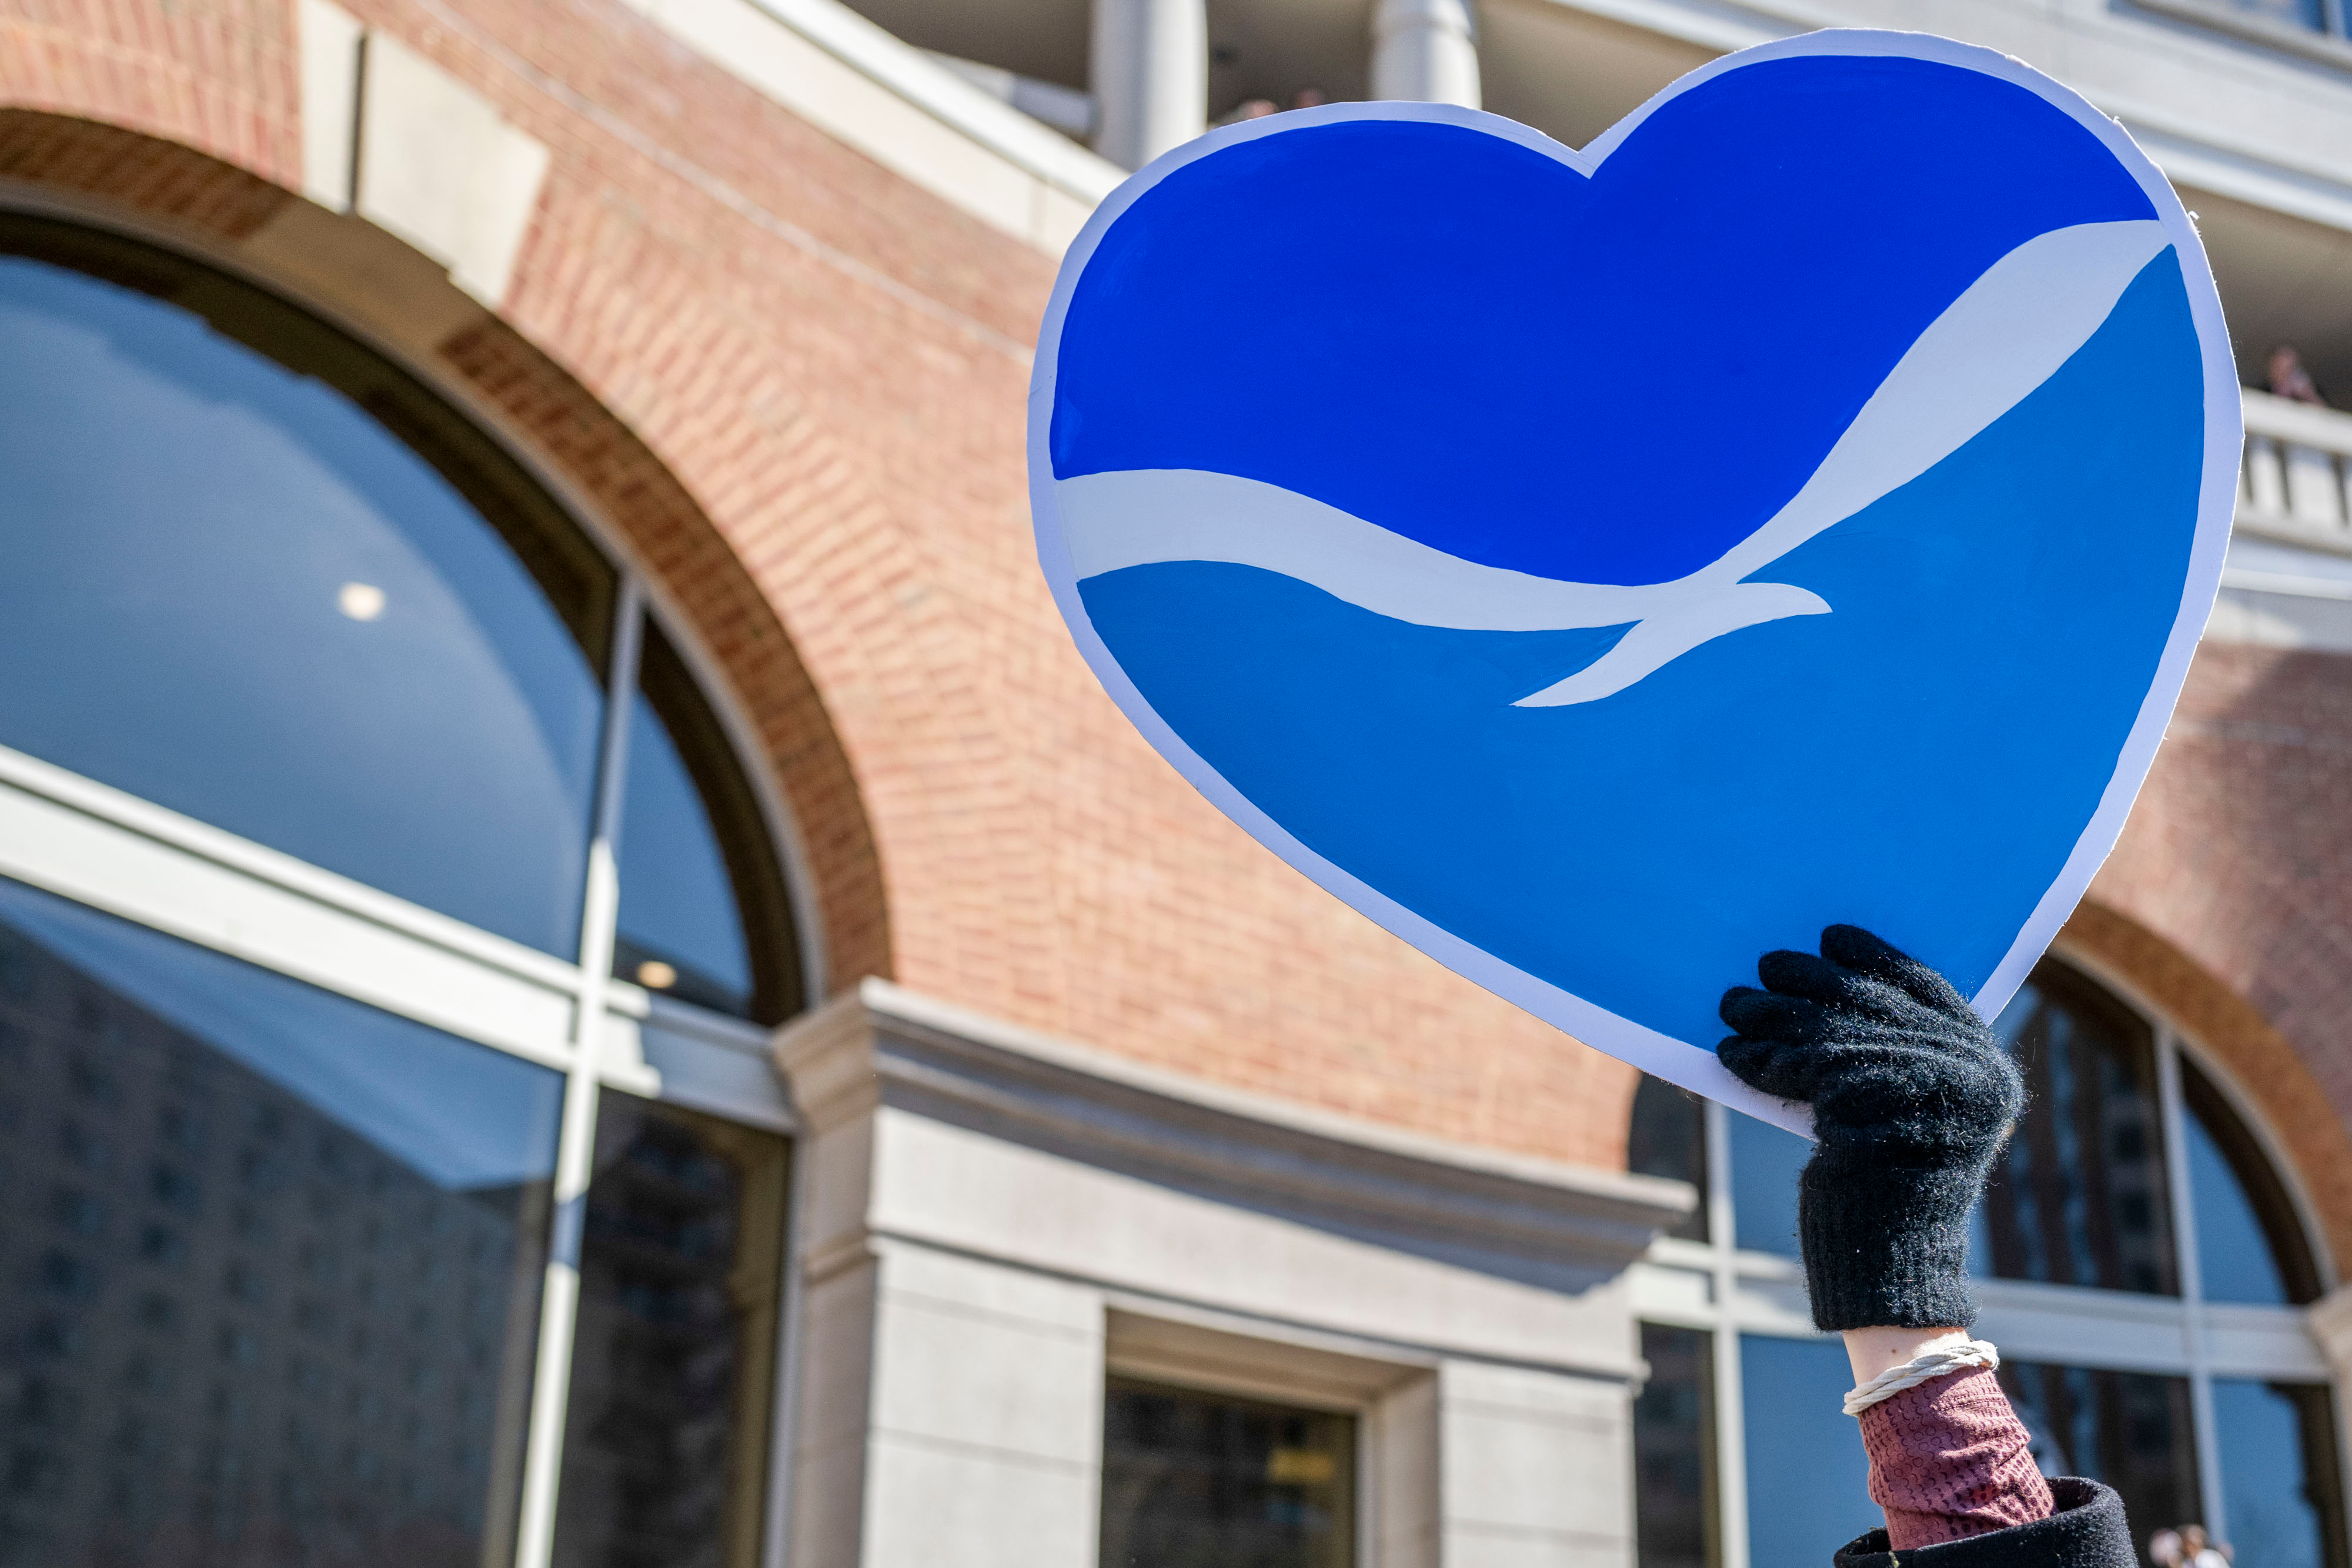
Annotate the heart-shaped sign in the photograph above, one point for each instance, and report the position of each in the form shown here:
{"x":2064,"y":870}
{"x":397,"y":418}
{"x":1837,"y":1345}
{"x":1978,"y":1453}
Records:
{"x":1599,"y":568}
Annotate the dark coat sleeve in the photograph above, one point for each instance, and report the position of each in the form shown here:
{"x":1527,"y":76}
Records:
{"x":2087,"y":1531}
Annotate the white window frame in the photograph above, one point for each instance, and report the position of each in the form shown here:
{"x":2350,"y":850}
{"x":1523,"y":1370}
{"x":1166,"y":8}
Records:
{"x":99,"y":846}
{"x":1716,"y":1286}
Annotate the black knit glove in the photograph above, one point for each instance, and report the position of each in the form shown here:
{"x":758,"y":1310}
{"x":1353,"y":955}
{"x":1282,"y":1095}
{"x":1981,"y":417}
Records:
{"x":1912,"y":1096}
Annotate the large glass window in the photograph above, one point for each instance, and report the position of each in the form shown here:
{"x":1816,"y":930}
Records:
{"x":1194,"y":1479}
{"x":1673,"y":1448}
{"x":2077,"y":1196}
{"x":1807,"y":1472}
{"x":2130,"y":1429}
{"x":2250,"y":1243}
{"x":342,"y":1227}
{"x":1667,"y":1139}
{"x":702,"y":912}
{"x":227,"y":586}
{"x":274,"y":1260}
{"x":665,"y":1461}
{"x":1764,"y":1162}
{"x":2105,"y":1312}
{"x":2280,"y":1472}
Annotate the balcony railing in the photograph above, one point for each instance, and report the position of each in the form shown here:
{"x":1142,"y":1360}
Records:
{"x":2296,"y":483}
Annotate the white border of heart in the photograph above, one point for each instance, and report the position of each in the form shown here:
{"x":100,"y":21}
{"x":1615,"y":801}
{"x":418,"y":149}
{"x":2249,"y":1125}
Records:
{"x":1692,"y":1066}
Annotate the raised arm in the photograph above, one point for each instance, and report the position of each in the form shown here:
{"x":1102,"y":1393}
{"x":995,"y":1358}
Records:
{"x":1912,"y":1097}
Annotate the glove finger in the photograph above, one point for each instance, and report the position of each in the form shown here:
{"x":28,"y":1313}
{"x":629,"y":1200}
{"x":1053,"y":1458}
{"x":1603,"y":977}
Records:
{"x":1767,"y":1065}
{"x":1765,"y":1016}
{"x":1820,"y":981}
{"x":1864,"y":954}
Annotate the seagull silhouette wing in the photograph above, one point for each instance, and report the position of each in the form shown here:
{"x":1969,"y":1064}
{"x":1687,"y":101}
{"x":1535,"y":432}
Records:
{"x":2003,"y":337}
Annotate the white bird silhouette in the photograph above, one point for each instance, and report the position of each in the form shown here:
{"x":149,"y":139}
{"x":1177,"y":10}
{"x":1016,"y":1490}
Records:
{"x":2004,"y":336}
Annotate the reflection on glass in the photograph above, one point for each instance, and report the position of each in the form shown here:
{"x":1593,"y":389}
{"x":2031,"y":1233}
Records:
{"x":1674,"y":1451}
{"x":679,"y":931}
{"x":225,"y":586}
{"x":2232,"y":1253}
{"x":281,"y":1257}
{"x":696,"y":922}
{"x":2130,"y":1429}
{"x":1668,"y":1138}
{"x":665,"y":1446}
{"x":1202,"y":1480}
{"x":2279,"y":1473}
{"x":1806,"y":1474}
{"x":1765,"y":1161}
{"x":2250,"y":1244}
{"x":2077,"y":1196}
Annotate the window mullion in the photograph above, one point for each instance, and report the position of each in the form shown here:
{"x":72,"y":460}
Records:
{"x":2190,"y":1268}
{"x":576,"y":1146}
{"x":1730,"y":1405}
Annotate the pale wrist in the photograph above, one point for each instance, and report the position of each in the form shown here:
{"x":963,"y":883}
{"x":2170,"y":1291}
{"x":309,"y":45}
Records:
{"x":1877,"y":1350}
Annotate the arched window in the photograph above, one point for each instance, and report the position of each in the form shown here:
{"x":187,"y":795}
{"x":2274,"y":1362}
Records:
{"x":2140,"y":1259}
{"x":367,"y":968}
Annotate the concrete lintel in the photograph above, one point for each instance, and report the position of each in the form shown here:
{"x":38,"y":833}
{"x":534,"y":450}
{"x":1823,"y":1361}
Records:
{"x":884,"y":1045}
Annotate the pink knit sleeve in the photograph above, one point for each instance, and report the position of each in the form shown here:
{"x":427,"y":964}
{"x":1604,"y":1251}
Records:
{"x":1949,"y":1459}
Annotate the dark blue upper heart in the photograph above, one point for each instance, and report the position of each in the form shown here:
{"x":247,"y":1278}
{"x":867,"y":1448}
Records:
{"x":1609,"y":380}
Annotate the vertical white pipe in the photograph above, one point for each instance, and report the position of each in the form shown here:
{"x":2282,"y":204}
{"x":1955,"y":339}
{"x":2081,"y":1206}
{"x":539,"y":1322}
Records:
{"x":575,"y":1148}
{"x":1425,"y":51}
{"x":1150,"y":68}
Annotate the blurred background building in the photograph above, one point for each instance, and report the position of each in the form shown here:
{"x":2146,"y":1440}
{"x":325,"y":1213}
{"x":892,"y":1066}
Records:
{"x":587,"y":977}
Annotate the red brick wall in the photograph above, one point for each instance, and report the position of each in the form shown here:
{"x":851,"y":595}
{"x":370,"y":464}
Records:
{"x":214,"y":75}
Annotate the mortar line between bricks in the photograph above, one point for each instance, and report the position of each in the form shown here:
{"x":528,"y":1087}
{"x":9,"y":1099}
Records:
{"x":719,"y":190}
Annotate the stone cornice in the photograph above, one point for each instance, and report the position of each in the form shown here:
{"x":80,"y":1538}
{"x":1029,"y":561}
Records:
{"x":885,"y":1046}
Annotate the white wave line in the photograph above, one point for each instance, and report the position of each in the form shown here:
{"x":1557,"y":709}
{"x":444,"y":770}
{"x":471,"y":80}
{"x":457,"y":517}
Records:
{"x":2006,"y":334}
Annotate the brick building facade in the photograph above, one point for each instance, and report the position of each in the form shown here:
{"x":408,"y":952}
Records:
{"x":1087,"y":1085}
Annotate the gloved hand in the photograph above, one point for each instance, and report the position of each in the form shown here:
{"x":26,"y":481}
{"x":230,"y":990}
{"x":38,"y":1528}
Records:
{"x":1912,"y":1097}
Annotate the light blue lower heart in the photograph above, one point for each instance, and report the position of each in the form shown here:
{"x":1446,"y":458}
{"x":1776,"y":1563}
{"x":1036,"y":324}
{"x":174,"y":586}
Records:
{"x":1920,"y":760}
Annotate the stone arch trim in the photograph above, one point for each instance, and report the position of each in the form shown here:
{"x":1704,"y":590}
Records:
{"x":164,"y":190}
{"x":2266,"y":1065}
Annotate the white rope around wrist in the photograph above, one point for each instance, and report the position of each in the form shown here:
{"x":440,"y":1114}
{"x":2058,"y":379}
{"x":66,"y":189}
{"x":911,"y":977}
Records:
{"x":1920,"y":1369}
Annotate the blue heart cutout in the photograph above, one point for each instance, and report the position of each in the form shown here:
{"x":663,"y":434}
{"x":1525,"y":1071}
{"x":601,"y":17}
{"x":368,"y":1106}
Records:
{"x":1610,"y":370}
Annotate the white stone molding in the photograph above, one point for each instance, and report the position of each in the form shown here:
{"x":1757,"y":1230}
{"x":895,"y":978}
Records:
{"x":391,"y":137}
{"x":1065,"y":109}
{"x":1552,"y":1225}
{"x":2330,"y":1322}
{"x":1425,"y":51}
{"x":1150,"y":77}
{"x":1160,"y":1342}
{"x":440,"y":168}
{"x":989,"y":1219}
{"x":327,"y":39}
{"x":901,"y":107}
